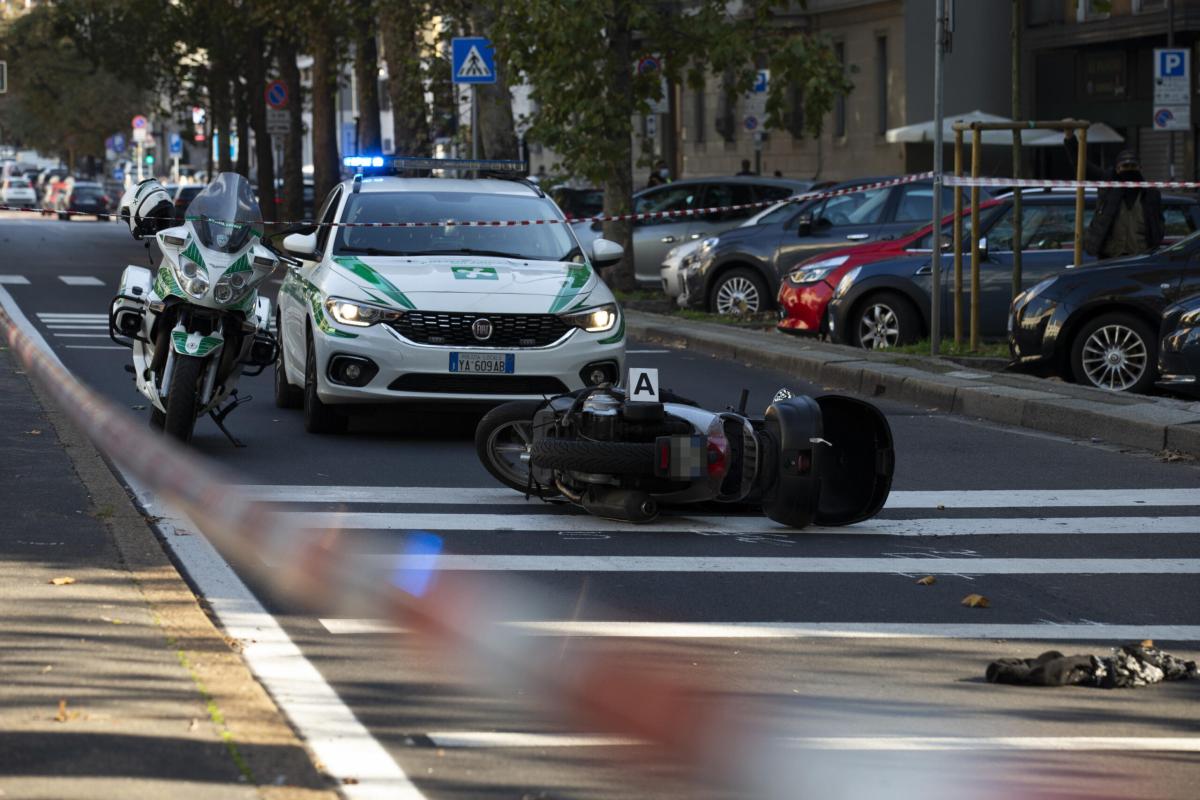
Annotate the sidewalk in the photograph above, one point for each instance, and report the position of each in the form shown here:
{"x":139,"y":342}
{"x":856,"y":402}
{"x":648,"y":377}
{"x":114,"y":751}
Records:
{"x":114,"y":683}
{"x":1147,"y":423}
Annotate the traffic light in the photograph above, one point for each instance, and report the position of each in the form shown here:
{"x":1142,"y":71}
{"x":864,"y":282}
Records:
{"x":149,"y":159}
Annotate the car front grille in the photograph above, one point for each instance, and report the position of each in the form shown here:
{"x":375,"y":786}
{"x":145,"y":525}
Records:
{"x":454,"y":329}
{"x":478,"y":384}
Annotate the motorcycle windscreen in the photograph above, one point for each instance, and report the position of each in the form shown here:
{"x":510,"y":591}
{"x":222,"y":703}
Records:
{"x":855,"y":468}
{"x":226,"y":215}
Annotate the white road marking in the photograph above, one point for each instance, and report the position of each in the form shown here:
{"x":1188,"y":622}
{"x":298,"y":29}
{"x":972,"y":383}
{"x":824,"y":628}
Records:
{"x":832,"y":566}
{"x":328,"y":726}
{"x":65,"y":315}
{"x":14,"y":280}
{"x":80,"y":280}
{"x":82,"y":335}
{"x":75,"y":326}
{"x":94,"y":347}
{"x":457,"y":495}
{"x":644,"y":352}
{"x":554,"y":523}
{"x":1180,"y":744}
{"x":618,"y":629}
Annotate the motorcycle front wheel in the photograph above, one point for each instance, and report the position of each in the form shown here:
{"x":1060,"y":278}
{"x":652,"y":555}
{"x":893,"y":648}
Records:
{"x":183,"y":397}
{"x":503,"y":440}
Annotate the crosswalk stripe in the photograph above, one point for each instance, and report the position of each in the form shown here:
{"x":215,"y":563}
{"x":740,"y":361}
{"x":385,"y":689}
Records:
{"x":80,"y":280}
{"x":555,"y":523}
{"x":82,"y":335}
{"x":519,"y":739}
{"x":14,"y":280}
{"x":93,"y":347}
{"x":455,"y":495}
{"x":47,"y":315}
{"x":804,"y":565}
{"x":1042,"y":631}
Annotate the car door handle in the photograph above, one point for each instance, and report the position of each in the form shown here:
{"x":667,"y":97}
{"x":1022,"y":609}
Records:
{"x":858,"y":237}
{"x":1166,"y":287}
{"x":695,"y":235}
{"x":667,"y":240}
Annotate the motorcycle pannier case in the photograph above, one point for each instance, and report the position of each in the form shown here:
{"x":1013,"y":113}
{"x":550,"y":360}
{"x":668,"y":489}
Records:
{"x":834,"y":461}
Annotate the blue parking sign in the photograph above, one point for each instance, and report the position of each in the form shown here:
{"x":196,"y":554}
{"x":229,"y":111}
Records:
{"x":1172,"y":63}
{"x":473,"y":60}
{"x":175,"y":144}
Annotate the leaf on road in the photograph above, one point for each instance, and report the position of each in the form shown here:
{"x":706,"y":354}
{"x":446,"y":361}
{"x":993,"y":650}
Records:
{"x":928,"y":580}
{"x":975,"y":601}
{"x":62,"y":580}
{"x":63,"y":714}
{"x":1147,"y":643}
{"x":35,"y":432}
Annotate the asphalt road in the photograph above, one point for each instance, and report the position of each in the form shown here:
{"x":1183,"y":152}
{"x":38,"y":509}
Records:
{"x":817,"y":634}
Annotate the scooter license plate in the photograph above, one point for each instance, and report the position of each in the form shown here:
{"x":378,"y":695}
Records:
{"x":483,"y":363}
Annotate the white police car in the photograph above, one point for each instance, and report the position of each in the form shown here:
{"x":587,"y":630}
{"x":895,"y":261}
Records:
{"x":441,"y":312}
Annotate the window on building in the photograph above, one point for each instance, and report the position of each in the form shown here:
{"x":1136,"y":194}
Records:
{"x":727,"y":111}
{"x":795,"y":111}
{"x":699,"y":115}
{"x":881,"y":84}
{"x":1092,"y":9}
{"x":385,"y":100}
{"x":839,"y":107}
{"x":1043,"y":12}
{"x":1148,"y":5}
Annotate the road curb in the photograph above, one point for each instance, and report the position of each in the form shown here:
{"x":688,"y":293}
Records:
{"x":256,"y":731}
{"x":1081,"y":412}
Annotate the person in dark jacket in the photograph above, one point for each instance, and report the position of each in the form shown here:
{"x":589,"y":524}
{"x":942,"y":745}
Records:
{"x":1127,"y":221}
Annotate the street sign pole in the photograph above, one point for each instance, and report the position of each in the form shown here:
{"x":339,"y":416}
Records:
{"x":140,"y":159}
{"x":935,"y":255}
{"x":1171,"y":43}
{"x":472,"y":62}
{"x":474,"y":121}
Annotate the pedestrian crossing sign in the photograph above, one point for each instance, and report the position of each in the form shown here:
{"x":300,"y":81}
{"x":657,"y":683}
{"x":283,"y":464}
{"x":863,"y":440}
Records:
{"x":473,"y":60}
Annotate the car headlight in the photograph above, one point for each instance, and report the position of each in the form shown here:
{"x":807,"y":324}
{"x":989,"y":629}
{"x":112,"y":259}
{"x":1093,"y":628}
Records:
{"x":192,"y":277}
{"x":811,"y":273}
{"x":593,"y":320}
{"x":1190,"y":319}
{"x":359,"y":315}
{"x":846,"y":282}
{"x":709,"y":243}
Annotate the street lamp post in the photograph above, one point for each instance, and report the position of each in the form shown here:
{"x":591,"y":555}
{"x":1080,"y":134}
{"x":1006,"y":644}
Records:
{"x":935,"y":255}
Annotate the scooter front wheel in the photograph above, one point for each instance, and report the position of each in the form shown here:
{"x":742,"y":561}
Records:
{"x":503,"y":440}
{"x":183,"y":397}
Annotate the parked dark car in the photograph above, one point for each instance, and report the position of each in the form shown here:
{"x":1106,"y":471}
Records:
{"x":183,"y":197}
{"x":740,"y":270}
{"x":886,"y":303}
{"x":579,"y":203}
{"x":1179,"y":349}
{"x":82,"y":197}
{"x":653,"y":238}
{"x":1099,"y":324}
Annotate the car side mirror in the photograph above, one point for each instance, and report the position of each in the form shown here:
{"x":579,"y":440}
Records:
{"x":302,"y":245}
{"x":606,"y":253}
{"x":805,"y":225}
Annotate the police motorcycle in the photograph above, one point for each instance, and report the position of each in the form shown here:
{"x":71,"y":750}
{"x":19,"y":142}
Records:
{"x":827,"y":460}
{"x":196,"y":322}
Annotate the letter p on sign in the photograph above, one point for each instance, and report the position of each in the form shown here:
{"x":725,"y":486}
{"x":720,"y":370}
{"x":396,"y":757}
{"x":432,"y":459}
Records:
{"x":643,"y":385}
{"x":1172,"y":64}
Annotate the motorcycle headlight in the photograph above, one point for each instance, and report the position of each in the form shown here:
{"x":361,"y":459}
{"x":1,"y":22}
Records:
{"x":359,"y":315}
{"x":233,"y":286}
{"x":192,"y":277}
{"x":846,"y":282}
{"x":816,"y":271}
{"x":593,"y":320}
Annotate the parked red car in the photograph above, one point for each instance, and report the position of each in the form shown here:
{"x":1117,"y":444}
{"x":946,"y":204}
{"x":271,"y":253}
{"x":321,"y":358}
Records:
{"x":805,"y":292}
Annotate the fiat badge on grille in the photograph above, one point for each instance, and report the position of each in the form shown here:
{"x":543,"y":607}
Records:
{"x":482,"y":328}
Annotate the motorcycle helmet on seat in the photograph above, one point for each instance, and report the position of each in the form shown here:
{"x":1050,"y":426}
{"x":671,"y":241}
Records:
{"x":146,"y":208}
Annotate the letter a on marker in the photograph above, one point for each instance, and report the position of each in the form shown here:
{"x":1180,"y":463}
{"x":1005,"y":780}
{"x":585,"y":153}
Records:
{"x":645,"y":385}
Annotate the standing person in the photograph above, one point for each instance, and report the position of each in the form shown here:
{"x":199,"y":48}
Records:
{"x":746,"y":167}
{"x":1128,"y":220}
{"x":659,"y":175}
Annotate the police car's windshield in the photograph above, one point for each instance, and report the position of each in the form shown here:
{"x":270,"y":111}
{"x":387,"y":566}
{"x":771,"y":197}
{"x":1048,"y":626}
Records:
{"x":532,"y":242}
{"x":226,"y":214}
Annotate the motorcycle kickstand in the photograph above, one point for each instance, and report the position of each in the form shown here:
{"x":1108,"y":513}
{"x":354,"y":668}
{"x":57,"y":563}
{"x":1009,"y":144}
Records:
{"x":219,"y":418}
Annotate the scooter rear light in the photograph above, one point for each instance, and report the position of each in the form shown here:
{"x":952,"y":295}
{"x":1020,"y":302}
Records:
{"x":718,"y":450}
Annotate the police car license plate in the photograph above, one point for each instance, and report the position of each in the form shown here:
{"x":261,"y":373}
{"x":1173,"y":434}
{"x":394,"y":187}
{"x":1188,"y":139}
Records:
{"x":483,"y":363}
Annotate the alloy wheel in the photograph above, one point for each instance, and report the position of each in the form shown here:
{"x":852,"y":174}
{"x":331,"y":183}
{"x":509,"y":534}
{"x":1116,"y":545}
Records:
{"x":738,"y":295}
{"x":879,"y":327}
{"x":1115,"y":357}
{"x":509,"y":446}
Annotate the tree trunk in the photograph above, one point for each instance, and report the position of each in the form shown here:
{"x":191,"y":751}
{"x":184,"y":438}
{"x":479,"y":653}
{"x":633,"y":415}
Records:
{"x":256,"y":81}
{"x":497,"y":133}
{"x":326,"y":165}
{"x":618,"y":185}
{"x":366,"y":76}
{"x":400,"y":23}
{"x":293,"y":151}
{"x":219,"y":93}
{"x":242,"y":109}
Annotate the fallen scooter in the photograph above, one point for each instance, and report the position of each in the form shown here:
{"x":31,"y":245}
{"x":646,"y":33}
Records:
{"x":827,"y":460}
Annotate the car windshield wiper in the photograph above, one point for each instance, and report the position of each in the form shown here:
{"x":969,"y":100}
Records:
{"x":466,"y":251}
{"x":372,"y":251}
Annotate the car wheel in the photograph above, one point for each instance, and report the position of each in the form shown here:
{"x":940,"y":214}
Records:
{"x":884,"y":320}
{"x":318,"y":416}
{"x":286,"y":395}
{"x":1117,"y":352}
{"x":739,"y":291}
{"x":503,"y":442}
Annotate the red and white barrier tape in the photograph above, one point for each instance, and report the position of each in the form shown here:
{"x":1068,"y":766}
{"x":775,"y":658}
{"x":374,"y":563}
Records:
{"x":630,"y":217}
{"x":1040,"y":183}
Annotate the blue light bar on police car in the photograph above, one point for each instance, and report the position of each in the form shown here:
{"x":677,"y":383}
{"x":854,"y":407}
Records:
{"x":363,"y":161}
{"x":403,"y":163}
